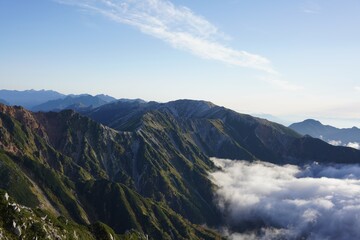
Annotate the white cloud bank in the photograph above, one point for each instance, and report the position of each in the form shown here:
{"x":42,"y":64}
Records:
{"x":289,"y":202}
{"x":181,"y":28}
{"x":335,"y":142}
{"x":355,"y":145}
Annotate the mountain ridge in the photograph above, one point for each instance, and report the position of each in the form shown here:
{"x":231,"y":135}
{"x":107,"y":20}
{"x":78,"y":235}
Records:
{"x":76,"y":102}
{"x":75,"y":164}
{"x":29,"y":98}
{"x":247,"y":136}
{"x":50,"y":100}
{"x":314,"y":128}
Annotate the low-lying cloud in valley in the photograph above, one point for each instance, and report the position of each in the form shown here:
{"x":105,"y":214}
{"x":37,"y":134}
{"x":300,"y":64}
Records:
{"x":266,"y":201}
{"x":355,"y":145}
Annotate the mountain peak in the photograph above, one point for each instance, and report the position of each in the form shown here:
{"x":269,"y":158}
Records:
{"x":105,"y":97}
{"x":312,"y":121}
{"x":327,"y":133}
{"x":192,"y":101}
{"x":188,"y":108}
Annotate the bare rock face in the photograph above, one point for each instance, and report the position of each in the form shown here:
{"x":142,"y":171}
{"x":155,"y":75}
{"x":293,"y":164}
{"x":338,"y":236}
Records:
{"x":23,"y":116}
{"x":17,"y":231}
{"x":6,"y":196}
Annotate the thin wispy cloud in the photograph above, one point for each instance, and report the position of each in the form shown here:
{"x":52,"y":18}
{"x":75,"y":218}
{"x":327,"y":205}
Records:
{"x":357,"y":88}
{"x":310,"y":11}
{"x":311,"y":7}
{"x":176,"y":25}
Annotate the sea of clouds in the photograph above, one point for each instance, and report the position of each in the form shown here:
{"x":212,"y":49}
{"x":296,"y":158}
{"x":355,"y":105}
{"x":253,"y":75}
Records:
{"x":261,"y":200}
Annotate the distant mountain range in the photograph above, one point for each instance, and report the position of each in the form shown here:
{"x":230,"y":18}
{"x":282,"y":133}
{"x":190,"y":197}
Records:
{"x":337,"y":136}
{"x":133,"y":169}
{"x":75,"y":102}
{"x":48,"y":100}
{"x":29,"y":98}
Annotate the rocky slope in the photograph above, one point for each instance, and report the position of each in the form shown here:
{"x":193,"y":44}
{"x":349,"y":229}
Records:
{"x":218,"y":132}
{"x":72,"y":166}
{"x":20,"y":222}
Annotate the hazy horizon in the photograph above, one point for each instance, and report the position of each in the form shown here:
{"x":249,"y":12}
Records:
{"x":285,"y":120}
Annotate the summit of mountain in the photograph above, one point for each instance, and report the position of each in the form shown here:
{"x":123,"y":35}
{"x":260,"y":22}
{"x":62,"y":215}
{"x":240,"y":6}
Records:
{"x":341,"y":136}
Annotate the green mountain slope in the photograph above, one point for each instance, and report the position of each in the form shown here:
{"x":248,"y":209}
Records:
{"x":72,"y":166}
{"x":216,"y":131}
{"x":20,"y":222}
{"x":129,"y":158}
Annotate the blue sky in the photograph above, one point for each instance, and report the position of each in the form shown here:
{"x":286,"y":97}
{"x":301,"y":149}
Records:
{"x":292,"y":59}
